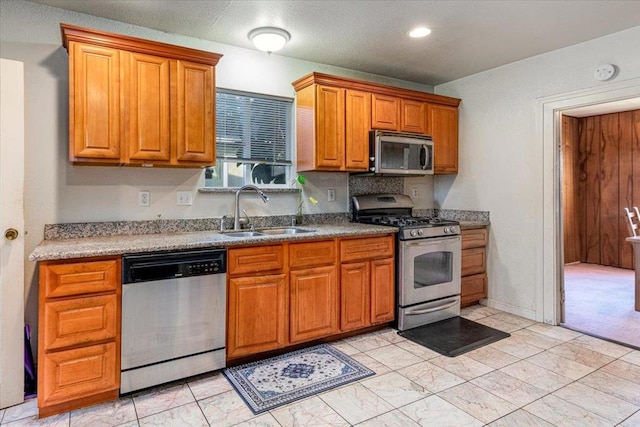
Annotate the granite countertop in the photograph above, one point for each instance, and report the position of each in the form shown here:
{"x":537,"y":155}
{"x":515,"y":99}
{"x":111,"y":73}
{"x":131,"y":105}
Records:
{"x":118,"y":245}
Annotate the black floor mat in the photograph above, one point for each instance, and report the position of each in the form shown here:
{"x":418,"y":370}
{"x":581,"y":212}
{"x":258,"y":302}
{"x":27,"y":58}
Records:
{"x":453,"y":337}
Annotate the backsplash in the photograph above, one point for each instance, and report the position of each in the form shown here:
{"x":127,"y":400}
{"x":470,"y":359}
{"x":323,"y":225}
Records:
{"x":127,"y":228}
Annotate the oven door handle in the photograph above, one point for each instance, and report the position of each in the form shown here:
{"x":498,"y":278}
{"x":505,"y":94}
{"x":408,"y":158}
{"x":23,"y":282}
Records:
{"x":431,"y":310}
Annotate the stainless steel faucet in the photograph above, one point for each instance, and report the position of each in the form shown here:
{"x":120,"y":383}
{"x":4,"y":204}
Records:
{"x":236,"y":215}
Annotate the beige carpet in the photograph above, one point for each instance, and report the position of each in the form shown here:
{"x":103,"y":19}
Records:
{"x":599,"y":301}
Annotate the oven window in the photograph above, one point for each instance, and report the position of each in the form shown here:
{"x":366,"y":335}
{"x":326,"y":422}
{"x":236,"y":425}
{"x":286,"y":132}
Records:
{"x":433,"y":268}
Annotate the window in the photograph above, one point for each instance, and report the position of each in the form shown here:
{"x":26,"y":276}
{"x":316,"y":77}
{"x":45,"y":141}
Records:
{"x":253,"y":140}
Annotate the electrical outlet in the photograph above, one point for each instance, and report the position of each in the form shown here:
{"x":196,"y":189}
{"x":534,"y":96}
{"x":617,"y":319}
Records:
{"x":184,"y":198}
{"x":331,"y":195}
{"x":414,"y":193}
{"x":144,"y":198}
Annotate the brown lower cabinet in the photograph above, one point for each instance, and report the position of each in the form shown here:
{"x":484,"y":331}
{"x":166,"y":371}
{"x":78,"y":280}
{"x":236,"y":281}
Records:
{"x":79,"y":333}
{"x":324,"y":288}
{"x":474,"y":266}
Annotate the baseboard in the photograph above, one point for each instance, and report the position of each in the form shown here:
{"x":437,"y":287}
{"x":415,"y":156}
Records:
{"x":518,"y":311}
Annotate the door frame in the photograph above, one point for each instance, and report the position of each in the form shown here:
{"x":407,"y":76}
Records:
{"x":12,"y":251}
{"x":549,"y":121}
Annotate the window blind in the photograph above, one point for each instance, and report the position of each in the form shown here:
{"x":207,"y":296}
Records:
{"x":253,"y":128}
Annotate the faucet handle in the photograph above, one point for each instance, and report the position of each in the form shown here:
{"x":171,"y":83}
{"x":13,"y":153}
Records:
{"x":249,"y":222}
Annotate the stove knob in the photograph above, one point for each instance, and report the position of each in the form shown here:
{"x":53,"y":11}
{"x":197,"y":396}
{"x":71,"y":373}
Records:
{"x":372,"y":169}
{"x":413,"y":233}
{"x":420,"y":232}
{"x":449,"y":230}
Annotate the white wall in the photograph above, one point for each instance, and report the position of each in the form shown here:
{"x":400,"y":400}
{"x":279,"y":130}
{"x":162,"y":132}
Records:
{"x":501,"y":155}
{"x":57,"y":192}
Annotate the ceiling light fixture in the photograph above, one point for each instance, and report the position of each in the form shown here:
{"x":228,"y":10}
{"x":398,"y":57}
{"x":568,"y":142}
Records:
{"x":419,"y":32}
{"x":269,"y":39}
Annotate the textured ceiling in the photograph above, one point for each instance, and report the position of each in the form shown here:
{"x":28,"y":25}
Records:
{"x":371,"y":36}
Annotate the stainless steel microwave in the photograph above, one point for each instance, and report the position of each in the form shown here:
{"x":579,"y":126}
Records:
{"x":400,"y":153}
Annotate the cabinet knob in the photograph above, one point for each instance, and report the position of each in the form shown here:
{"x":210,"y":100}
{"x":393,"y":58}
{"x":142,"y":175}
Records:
{"x":11,"y":234}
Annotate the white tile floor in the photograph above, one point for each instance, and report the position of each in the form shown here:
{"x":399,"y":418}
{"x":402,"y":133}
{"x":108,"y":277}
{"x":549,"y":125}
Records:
{"x":540,"y":376}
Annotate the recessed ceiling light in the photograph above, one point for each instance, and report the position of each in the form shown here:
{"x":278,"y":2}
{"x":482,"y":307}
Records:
{"x":419,"y":32}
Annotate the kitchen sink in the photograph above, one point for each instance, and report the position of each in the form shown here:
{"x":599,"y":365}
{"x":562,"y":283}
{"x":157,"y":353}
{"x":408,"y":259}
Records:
{"x":287,"y":230}
{"x":244,"y":234}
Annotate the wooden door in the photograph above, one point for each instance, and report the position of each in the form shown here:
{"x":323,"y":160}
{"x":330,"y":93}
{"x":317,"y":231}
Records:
{"x":357,"y":125}
{"x":148,"y":109}
{"x":256,"y":314}
{"x":354,"y":296}
{"x":313,"y":303}
{"x":413,"y":116}
{"x":193,"y":114}
{"x":94,"y":98}
{"x":382,"y":290}
{"x":385,"y":112}
{"x":330,"y":113}
{"x":442,"y":125}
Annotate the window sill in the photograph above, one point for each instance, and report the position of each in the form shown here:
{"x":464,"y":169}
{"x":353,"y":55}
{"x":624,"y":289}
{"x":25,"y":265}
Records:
{"x":232,"y":190}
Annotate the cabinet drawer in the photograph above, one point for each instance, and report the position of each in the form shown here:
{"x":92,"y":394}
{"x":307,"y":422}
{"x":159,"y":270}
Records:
{"x":78,"y":373}
{"x":366,"y":248}
{"x":65,"y":279}
{"x":255,"y":259}
{"x":475,"y":238}
{"x":474,"y":288}
{"x":79,"y":321}
{"x":313,"y":254}
{"x":474,"y":261}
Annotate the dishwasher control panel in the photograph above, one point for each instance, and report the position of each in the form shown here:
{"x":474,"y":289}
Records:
{"x":173,"y":265}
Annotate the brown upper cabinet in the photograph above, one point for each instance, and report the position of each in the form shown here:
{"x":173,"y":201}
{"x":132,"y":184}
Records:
{"x":334,"y":116}
{"x":139,"y":102}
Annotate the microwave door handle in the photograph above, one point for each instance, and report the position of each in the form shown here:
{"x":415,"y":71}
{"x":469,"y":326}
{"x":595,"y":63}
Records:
{"x":423,"y":157}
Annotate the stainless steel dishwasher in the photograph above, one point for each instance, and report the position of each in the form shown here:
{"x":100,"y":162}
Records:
{"x":173,"y":316}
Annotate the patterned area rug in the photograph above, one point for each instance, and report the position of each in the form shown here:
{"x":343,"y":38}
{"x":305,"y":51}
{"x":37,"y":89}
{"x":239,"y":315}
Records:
{"x":269,"y":383}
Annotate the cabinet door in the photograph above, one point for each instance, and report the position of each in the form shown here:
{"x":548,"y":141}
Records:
{"x":442,"y":124}
{"x":313,"y":303}
{"x":413,"y":116}
{"x":385,"y":112}
{"x":256,"y":314}
{"x":194,"y":132}
{"x":94,"y":98}
{"x":149,"y":131}
{"x":357,"y":125}
{"x":382,"y":290}
{"x":330,"y":112}
{"x":354,"y":296}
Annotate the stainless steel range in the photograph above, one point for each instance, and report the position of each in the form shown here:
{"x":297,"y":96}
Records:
{"x":427,"y":261}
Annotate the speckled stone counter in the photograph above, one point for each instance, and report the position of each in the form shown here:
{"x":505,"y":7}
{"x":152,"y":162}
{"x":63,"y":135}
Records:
{"x":123,"y":244}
